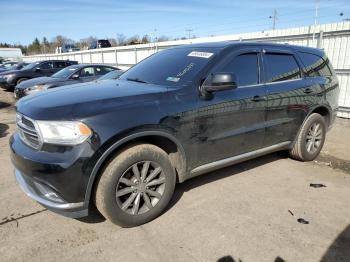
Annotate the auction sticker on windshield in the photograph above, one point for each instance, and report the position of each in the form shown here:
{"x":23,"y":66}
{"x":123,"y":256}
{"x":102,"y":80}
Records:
{"x":200,"y":54}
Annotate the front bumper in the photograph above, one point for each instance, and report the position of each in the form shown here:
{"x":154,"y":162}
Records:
{"x":56,"y":177}
{"x":46,"y":197}
{"x":5,"y":84}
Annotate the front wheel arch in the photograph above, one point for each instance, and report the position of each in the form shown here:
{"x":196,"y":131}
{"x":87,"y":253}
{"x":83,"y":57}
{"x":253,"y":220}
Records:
{"x":146,"y":137}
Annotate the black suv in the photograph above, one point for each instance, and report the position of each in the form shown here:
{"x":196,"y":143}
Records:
{"x":123,"y":145}
{"x":102,"y":43}
{"x":10,"y":79}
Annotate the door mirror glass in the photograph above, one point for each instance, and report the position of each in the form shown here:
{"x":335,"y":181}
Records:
{"x":37,"y":69}
{"x":220,"y":82}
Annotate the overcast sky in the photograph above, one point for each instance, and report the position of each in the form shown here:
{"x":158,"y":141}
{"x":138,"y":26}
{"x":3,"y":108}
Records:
{"x":22,"y":20}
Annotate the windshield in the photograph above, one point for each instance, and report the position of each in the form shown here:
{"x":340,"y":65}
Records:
{"x":65,"y":72}
{"x":174,"y":66}
{"x":31,"y":66}
{"x":111,"y":75}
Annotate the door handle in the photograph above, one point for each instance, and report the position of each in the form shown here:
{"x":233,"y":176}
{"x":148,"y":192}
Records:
{"x":308,"y":91}
{"x":258,"y":98}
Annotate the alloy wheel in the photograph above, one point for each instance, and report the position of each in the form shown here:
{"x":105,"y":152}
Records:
{"x":140,"y":188}
{"x":314,"y":137}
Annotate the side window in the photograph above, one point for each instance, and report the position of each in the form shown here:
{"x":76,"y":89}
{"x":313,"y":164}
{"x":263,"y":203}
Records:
{"x":280,"y":67}
{"x":102,"y":70}
{"x":245,"y":67}
{"x":46,"y":66}
{"x":60,"y":64}
{"x":87,"y":71}
{"x":315,"y":65}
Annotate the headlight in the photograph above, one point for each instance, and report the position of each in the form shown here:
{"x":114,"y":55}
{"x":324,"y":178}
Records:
{"x":63,"y":132}
{"x":7,"y":76}
{"x":37,"y":88}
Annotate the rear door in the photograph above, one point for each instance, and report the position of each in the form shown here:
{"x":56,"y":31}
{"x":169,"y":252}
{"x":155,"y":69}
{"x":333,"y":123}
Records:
{"x":286,"y":89}
{"x":233,"y":121}
{"x":102,"y":70}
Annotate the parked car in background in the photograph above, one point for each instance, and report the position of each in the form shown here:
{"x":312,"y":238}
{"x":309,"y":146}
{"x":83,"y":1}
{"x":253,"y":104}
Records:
{"x":8,"y":64}
{"x":12,"y":66}
{"x":11,"y":78}
{"x":102,"y":43}
{"x":112,"y":75}
{"x":180,"y":113}
{"x":70,"y":75}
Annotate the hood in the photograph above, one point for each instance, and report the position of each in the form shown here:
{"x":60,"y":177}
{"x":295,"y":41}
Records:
{"x":9,"y":72}
{"x":89,"y":99}
{"x":38,"y":81}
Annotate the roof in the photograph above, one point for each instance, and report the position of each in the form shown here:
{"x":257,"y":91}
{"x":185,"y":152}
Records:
{"x":231,"y":44}
{"x":84,"y":65}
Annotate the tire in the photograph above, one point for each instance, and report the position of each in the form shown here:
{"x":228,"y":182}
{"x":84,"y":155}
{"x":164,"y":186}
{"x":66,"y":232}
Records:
{"x":141,"y":204}
{"x":308,"y":143}
{"x":21,"y":80}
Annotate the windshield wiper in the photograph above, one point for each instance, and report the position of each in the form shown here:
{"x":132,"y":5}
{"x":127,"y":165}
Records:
{"x":136,"y":80}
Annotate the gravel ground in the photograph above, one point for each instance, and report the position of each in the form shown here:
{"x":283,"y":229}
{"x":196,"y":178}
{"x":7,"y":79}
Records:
{"x":260,"y":210}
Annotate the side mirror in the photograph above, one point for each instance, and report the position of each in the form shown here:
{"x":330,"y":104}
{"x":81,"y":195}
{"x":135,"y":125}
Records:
{"x":37,"y":69}
{"x":220,"y":82}
{"x":75,"y":76}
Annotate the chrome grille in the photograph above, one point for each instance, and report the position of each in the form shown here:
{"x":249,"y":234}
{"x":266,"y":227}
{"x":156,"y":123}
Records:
{"x":27,"y":131}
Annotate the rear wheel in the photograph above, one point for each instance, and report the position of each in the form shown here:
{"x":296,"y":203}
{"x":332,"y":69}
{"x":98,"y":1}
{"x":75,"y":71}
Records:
{"x":310,"y":139}
{"x":136,"y":186}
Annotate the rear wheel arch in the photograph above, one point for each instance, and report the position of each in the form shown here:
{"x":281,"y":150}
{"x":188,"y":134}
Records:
{"x":323,"y":111}
{"x":161,"y":139}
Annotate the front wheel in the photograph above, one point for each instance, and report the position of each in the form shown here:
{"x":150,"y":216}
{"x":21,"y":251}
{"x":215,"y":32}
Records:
{"x":310,"y":139}
{"x":20,"y":80}
{"x":136,"y":186}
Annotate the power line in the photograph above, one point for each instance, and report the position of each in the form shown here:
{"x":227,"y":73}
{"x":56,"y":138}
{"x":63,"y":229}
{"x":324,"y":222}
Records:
{"x":280,"y":15}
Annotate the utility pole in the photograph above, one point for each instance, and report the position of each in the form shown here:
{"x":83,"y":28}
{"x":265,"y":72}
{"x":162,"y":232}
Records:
{"x":316,"y":16}
{"x":274,"y":18}
{"x":189,"y":32}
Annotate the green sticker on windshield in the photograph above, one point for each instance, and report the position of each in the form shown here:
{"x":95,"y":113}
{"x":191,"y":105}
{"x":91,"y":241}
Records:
{"x":173,"y":79}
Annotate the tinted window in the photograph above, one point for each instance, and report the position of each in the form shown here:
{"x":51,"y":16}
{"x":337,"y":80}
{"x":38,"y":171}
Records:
{"x":281,"y":67}
{"x":101,"y":70}
{"x":60,"y":64}
{"x":175,"y":66}
{"x":65,"y":72}
{"x":315,"y":65}
{"x":111,"y":75}
{"x":46,"y":65}
{"x":245,"y":67}
{"x":87,"y":72}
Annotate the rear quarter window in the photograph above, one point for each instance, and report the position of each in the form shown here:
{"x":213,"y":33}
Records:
{"x":315,"y":65}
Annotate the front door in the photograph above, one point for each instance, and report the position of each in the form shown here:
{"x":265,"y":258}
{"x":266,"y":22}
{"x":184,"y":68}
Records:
{"x":46,"y":69}
{"x":233,"y":121}
{"x":87,"y":74}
